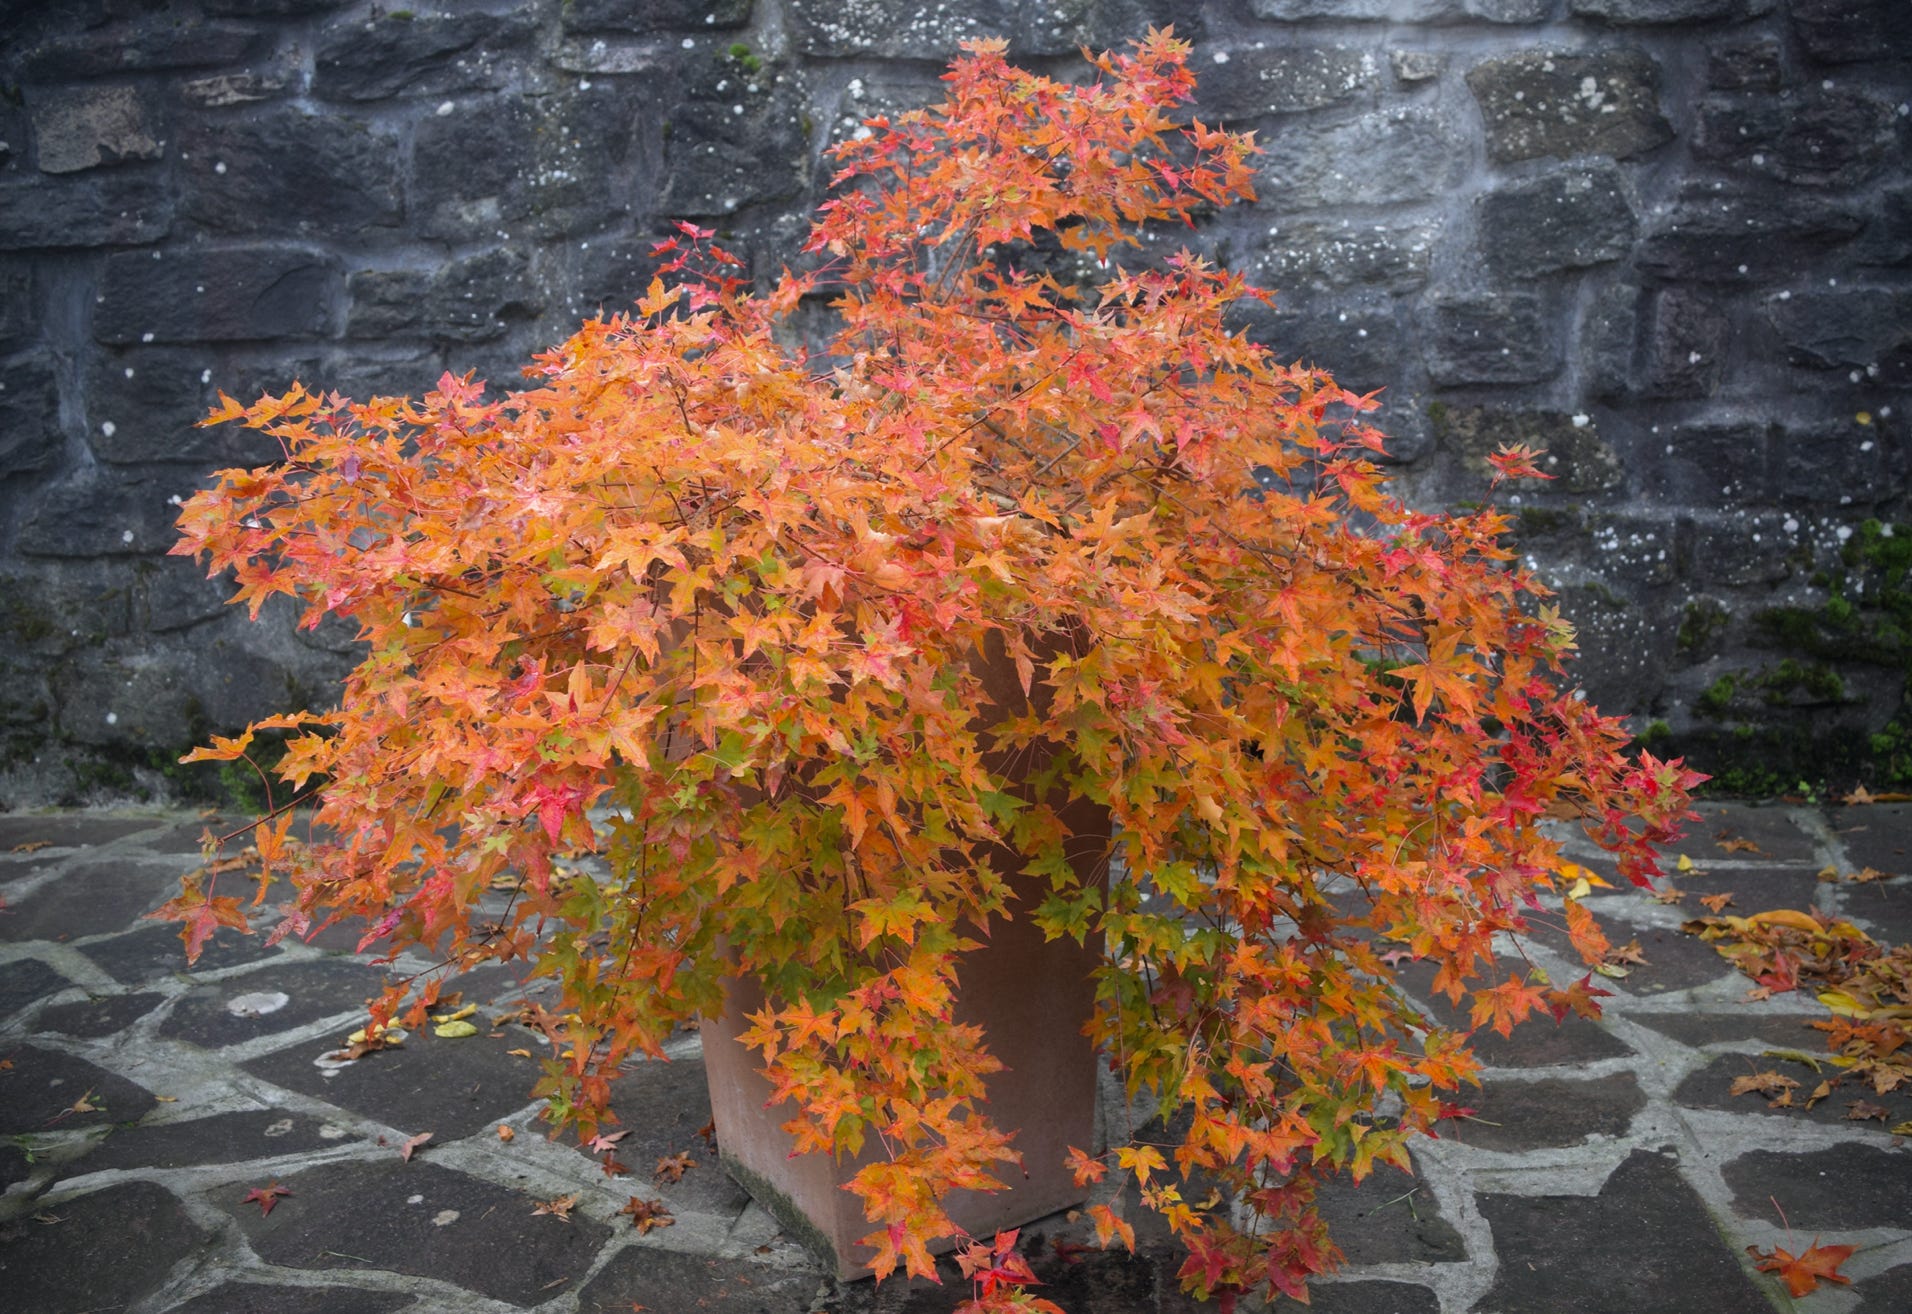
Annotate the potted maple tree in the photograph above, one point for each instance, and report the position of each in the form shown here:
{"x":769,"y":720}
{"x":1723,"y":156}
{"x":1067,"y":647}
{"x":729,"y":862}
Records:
{"x":842,"y":665}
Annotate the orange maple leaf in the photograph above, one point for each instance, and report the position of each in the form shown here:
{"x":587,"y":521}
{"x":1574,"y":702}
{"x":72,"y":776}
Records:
{"x":1803,"y":1273}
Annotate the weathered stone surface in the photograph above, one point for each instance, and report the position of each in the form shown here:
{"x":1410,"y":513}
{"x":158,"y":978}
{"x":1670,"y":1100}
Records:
{"x":41,"y":1087}
{"x":1357,"y":335}
{"x":156,"y":953}
{"x":1285,"y":79}
{"x":656,"y":1279}
{"x":1744,"y":66}
{"x":1684,"y":345}
{"x":222,"y":1138}
{"x":1844,"y":1186}
{"x":68,"y":831}
{"x":1530,"y":1115}
{"x":19,"y":314}
{"x":30,"y":436}
{"x":1581,"y":461}
{"x":1374,"y":1224}
{"x":1703,"y":462}
{"x":289,"y":172}
{"x":510,"y":165}
{"x":258,"y":1298}
{"x":145,"y":1230}
{"x":91,"y":899}
{"x":1738,"y":237}
{"x":1850,"y":31}
{"x":1698,"y":1029}
{"x":1833,"y":465}
{"x":144,"y":405}
{"x":1843,"y":328}
{"x":206,"y":1016}
{"x":25,"y":980}
{"x":475,"y":299}
{"x":115,"y":207}
{"x":451,"y":1088}
{"x":905,"y":29}
{"x":1542,"y":104}
{"x":1711,"y":1088}
{"x":1384,"y":158}
{"x":1402,"y":11}
{"x":424,"y":1220}
{"x":1674,"y":960}
{"x":238,"y":294}
{"x":644,"y":17}
{"x":1506,"y":337}
{"x":375,"y":56}
{"x":1622,"y":1250}
{"x":227,"y":89}
{"x":80,"y":127}
{"x":93,"y":1018}
{"x":1736,"y":551}
{"x":1888,"y":1293}
{"x":1664,"y":12}
{"x":1564,"y":220}
{"x":1833,"y":138}
{"x":134,"y":47}
{"x":740,"y":150}
{"x":103,"y":516}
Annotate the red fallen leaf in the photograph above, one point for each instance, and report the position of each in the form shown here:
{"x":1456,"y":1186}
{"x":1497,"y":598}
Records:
{"x":412,"y":1145}
{"x":673,"y":1167}
{"x":612,"y":1166}
{"x":1803,"y":1273}
{"x":648,"y":1214}
{"x":265,"y":1197}
{"x":605,"y":1143}
{"x":709,"y":1132}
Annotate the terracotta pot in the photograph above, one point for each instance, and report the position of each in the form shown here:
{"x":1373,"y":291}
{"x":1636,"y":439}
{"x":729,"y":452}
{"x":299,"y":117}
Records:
{"x":1031,"y":997}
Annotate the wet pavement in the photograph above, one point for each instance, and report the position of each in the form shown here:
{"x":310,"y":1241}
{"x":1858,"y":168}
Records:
{"x":1607,"y":1166}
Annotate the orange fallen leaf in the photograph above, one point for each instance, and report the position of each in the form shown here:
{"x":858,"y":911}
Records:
{"x":1866,"y":875}
{"x":32,"y":846}
{"x":1733,"y":844}
{"x":505,"y":1133}
{"x":648,"y":1214}
{"x":673,"y":1167}
{"x":412,"y":1145}
{"x":1764,"y":1083}
{"x":1859,"y":796}
{"x":559,"y":1208}
{"x":1803,"y":1273}
{"x":1716,"y":902}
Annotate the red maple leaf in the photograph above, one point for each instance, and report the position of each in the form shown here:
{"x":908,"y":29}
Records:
{"x":266,"y":1197}
{"x":1804,"y":1272}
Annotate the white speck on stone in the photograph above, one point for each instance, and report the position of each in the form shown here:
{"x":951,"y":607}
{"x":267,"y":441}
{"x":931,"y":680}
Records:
{"x":1221,"y":56}
{"x":279,"y":1128}
{"x":584,"y":84}
{"x":332,"y":1132}
{"x":107,"y":427}
{"x":205,"y":376}
{"x":219,"y":167}
{"x":689,"y":44}
{"x":444,"y":1218}
{"x":146,"y":337}
{"x":126,"y":536}
{"x":257,"y":1003}
{"x":175,"y":500}
{"x":736,"y":109}
{"x":1843,"y":533}
{"x":1866,"y":446}
{"x":445,"y":109}
{"x":1791,"y":526}
{"x":1742,"y":269}
{"x":1826,"y":85}
{"x":1785,"y":296}
{"x":414,"y":1199}
{"x":112,"y":718}
{"x":1693,"y":358}
{"x":129,"y":371}
{"x":1582,"y":421}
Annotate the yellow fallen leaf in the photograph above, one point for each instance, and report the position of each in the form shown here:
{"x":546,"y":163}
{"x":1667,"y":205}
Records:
{"x":468,"y":1010}
{"x":1843,"y":1004}
{"x":1608,"y":969}
{"x":454,"y":1031}
{"x":1684,"y":864}
{"x":1581,"y":889}
{"x":505,"y":1133}
{"x":519,"y":1053}
{"x":391,"y":1036}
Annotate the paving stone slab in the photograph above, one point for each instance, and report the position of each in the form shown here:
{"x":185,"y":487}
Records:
{"x":156,"y":952}
{"x":258,"y":1298}
{"x":42,"y":1084}
{"x":662,"y":1107}
{"x":106,"y":1251}
{"x":1646,"y":1236}
{"x":451,"y":1088}
{"x":1844,"y":1186}
{"x":25,"y":980}
{"x":1530,"y":1115}
{"x":99,"y":1016}
{"x":14,"y":1166}
{"x":645,"y":1277}
{"x":220,"y":1014}
{"x":1711,"y":1088}
{"x":69,"y":830}
{"x":1674,"y":959}
{"x":90,"y":898}
{"x":423,"y":1220}
{"x":1888,"y":1293}
{"x":184,"y":839}
{"x":1878,"y":835}
{"x":1363,"y":1298}
{"x":1773,"y":831}
{"x":1754,"y":888}
{"x":1388,"y":1219}
{"x":1788,"y":1031}
{"x":1884,"y":910}
{"x":221,"y":1138}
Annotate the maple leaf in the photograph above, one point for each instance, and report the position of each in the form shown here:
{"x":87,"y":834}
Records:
{"x":559,"y":1208}
{"x":1866,"y":875}
{"x":1859,"y":796}
{"x":673,"y":1167}
{"x":1716,"y":902}
{"x":1734,"y":844}
{"x":709,"y":1133}
{"x":506,"y":1133}
{"x":31,"y":846}
{"x":647,"y":1214}
{"x":605,"y":1142}
{"x":611,"y":1166}
{"x":412,"y":1145}
{"x":1765,"y":1083}
{"x":266,"y":1197}
{"x":1866,"y":1111}
{"x":1630,"y":952}
{"x":1804,"y":1273}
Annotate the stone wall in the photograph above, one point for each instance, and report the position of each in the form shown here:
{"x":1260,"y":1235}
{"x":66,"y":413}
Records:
{"x":1667,"y":240}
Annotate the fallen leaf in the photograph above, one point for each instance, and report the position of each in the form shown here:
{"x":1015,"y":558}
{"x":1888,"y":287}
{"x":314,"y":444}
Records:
{"x":1685,"y":864}
{"x":1804,"y":1273}
{"x":605,"y":1142}
{"x":1792,"y":1056}
{"x":1736,"y":845}
{"x":1859,"y":796}
{"x":648,"y":1214}
{"x":1716,"y":902}
{"x":709,"y":1132}
{"x":412,"y":1145}
{"x":612,"y":1166}
{"x":1866,"y":875}
{"x":1668,"y":894}
{"x":673,"y":1167}
{"x":1820,"y":1091}
{"x":454,"y":1031}
{"x":519,"y":1053}
{"x":505,"y":1133}
{"x":266,"y":1197}
{"x":32,"y":846}
{"x":1827,"y":875}
{"x":1865,"y":1111}
{"x":460,"y":1015}
{"x":1902,"y":1129}
{"x":1764,"y":1083}
{"x":559,"y":1208}
{"x":1629,"y":952}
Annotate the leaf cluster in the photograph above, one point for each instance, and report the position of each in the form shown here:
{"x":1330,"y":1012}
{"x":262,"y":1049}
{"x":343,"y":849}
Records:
{"x":815,"y":656}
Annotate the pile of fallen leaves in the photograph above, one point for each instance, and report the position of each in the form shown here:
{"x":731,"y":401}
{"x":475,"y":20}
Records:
{"x":1866,"y":984}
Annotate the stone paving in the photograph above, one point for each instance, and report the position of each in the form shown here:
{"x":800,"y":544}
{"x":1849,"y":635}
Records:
{"x":1607,"y":1166}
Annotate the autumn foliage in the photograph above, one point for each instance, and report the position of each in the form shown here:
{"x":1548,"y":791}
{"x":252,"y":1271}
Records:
{"x":684,"y":636}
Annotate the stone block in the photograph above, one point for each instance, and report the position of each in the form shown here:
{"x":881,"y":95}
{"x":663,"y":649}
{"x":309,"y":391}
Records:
{"x":1824,"y":139}
{"x":1683,"y":345}
{"x":385,"y":303}
{"x":1839,"y":1187}
{"x":249,"y":293}
{"x":648,"y":17}
{"x":83,"y":126}
{"x":144,"y":404}
{"x":907,"y":29}
{"x":1401,"y":11}
{"x":1322,"y":254}
{"x":19,"y":313}
{"x":1563,"y":220}
{"x":270,"y":8}
{"x":1742,"y":236}
{"x":102,"y":514}
{"x":1609,"y":329}
{"x":1414,"y":67}
{"x":656,"y":1279}
{"x":743,"y":149}
{"x":515,"y":166}
{"x":1383,"y":158}
{"x":142,"y":1225}
{"x":30,"y":435}
{"x":110,"y":207}
{"x":1370,"y":1233}
{"x":276,"y":1298}
{"x":1708,"y":463}
{"x":1490,"y":338}
{"x":1851,"y":31}
{"x":289,"y":172}
{"x":1740,"y":548}
{"x":381,"y":54}
{"x":1580,"y":461}
{"x":93,"y":1019}
{"x":1635,"y":13}
{"x":1833,"y":465}
{"x":1285,"y":79}
{"x":1842,"y":328}
{"x":136,"y":47}
{"x":477,"y":298}
{"x":1516,"y":1116}
{"x":41,"y":1084}
{"x":611,"y":274}
{"x":1888,"y":237}
{"x":1356,"y":336}
{"x":1539,"y":104}
{"x":1744,"y":66}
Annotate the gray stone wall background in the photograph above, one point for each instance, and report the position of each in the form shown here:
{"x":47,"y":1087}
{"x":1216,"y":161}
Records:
{"x":1668,"y":240}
